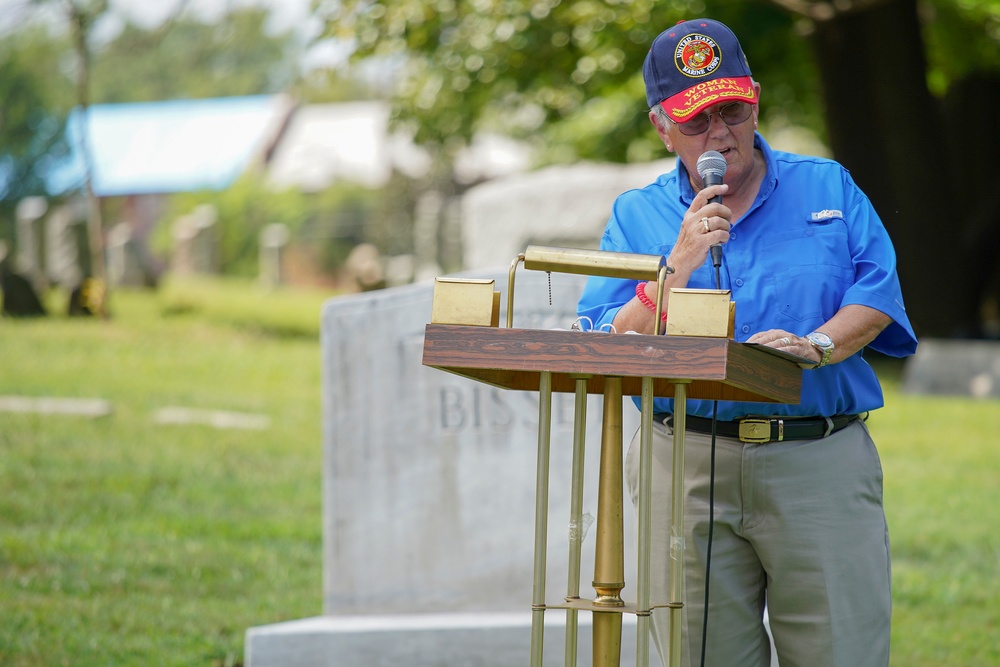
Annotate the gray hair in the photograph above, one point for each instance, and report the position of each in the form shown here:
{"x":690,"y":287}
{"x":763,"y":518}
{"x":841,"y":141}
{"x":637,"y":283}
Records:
{"x":661,"y":116}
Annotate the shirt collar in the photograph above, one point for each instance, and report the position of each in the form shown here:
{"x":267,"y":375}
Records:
{"x":768,"y":185}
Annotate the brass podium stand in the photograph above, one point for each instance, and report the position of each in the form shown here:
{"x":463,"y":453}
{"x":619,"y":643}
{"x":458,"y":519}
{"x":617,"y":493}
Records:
{"x":615,"y":365}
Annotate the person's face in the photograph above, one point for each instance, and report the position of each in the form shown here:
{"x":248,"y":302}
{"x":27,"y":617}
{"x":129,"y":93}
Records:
{"x":735,"y":141}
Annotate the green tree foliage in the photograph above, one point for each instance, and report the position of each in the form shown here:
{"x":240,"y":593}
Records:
{"x":35,"y":96}
{"x":186,"y":58}
{"x":566,"y":74}
{"x":963,"y":40}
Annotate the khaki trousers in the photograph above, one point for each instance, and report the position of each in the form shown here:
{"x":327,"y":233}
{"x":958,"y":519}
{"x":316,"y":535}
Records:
{"x":799,"y":525}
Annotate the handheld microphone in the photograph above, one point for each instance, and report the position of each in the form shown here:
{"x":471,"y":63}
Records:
{"x":712,"y":167}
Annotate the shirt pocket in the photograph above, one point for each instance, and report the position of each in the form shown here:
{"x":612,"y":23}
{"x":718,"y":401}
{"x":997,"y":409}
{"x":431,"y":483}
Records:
{"x":811,"y":270}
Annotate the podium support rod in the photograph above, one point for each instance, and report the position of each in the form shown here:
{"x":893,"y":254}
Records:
{"x":645,"y":502}
{"x":541,"y":517}
{"x":576,"y":527}
{"x":609,"y":561}
{"x":677,"y":545}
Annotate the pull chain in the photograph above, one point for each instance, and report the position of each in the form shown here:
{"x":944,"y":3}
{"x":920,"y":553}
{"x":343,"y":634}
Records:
{"x":549,"y":274}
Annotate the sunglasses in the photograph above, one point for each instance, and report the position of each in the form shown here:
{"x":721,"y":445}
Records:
{"x":733,"y":113}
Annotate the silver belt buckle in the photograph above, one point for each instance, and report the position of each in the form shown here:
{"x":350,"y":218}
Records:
{"x":759,"y":430}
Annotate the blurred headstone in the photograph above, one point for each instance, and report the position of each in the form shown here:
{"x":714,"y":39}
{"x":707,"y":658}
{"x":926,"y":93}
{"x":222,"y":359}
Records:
{"x":954,"y":367}
{"x":204,"y":253}
{"x":63,"y":231}
{"x":221,"y":419}
{"x":399,"y":270}
{"x":125,"y":263}
{"x":28,"y":216}
{"x":195,"y":242}
{"x":561,"y":206}
{"x":54,"y":405}
{"x":273,"y":240}
{"x":364,"y":267}
{"x":181,"y":260}
{"x":426,"y":227}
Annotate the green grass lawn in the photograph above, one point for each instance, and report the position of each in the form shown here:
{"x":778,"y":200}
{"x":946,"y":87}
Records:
{"x":941,"y":459}
{"x":126,"y":542}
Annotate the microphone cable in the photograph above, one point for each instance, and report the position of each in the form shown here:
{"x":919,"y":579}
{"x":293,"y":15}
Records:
{"x":717,"y":262}
{"x":716,"y":251}
{"x":711,"y":527}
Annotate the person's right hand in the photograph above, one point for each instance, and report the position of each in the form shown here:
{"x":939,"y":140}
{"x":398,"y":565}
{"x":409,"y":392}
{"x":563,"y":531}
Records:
{"x":704,"y":225}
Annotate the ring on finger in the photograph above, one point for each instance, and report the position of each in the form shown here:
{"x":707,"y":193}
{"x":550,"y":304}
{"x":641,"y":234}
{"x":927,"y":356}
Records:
{"x":704,"y":221}
{"x":785,"y":341}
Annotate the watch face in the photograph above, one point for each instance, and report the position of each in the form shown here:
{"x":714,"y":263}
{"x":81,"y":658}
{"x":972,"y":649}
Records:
{"x":820,"y":339}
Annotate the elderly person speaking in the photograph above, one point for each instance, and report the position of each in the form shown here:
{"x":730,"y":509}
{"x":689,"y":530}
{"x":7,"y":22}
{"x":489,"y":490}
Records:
{"x":797,"y":519}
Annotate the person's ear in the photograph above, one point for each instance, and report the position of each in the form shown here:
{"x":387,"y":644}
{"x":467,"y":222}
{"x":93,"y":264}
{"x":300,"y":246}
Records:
{"x":661,"y":129}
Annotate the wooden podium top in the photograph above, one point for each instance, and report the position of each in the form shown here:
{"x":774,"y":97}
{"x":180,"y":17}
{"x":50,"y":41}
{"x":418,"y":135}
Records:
{"x":715,"y":368}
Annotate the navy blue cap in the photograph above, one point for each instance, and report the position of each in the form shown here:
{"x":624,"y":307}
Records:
{"x":694,"y":65}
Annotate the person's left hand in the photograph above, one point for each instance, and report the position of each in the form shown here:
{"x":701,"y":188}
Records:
{"x":787,"y":342}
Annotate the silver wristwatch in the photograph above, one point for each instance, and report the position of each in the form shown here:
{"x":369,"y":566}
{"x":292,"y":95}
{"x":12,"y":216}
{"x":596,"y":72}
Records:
{"x":824,"y":344}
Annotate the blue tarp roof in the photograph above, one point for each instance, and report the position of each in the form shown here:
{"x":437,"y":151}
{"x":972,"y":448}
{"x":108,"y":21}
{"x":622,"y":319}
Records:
{"x":174,"y":146}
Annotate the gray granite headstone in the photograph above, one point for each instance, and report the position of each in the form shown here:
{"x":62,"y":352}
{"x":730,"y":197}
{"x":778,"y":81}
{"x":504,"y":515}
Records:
{"x":429,"y":492}
{"x":561,"y":205}
{"x":954,"y":367}
{"x":429,"y":477}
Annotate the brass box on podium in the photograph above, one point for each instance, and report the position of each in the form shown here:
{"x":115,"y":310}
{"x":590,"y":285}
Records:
{"x":465,"y":301}
{"x":700,"y":312}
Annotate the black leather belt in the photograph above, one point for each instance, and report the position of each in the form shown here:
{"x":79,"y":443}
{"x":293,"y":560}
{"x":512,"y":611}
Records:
{"x":766,"y":429}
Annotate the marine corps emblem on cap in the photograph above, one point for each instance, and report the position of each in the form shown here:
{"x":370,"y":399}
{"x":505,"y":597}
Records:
{"x":697,"y":55}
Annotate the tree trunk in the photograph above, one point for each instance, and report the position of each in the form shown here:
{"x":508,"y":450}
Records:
{"x":880,"y":116}
{"x":971,"y":147}
{"x":81,"y":22}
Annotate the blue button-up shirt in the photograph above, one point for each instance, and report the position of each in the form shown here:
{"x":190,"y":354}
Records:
{"x":810,"y":244}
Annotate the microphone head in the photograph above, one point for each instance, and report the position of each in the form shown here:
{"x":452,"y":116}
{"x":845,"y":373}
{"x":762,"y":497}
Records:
{"x":711,"y":163}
